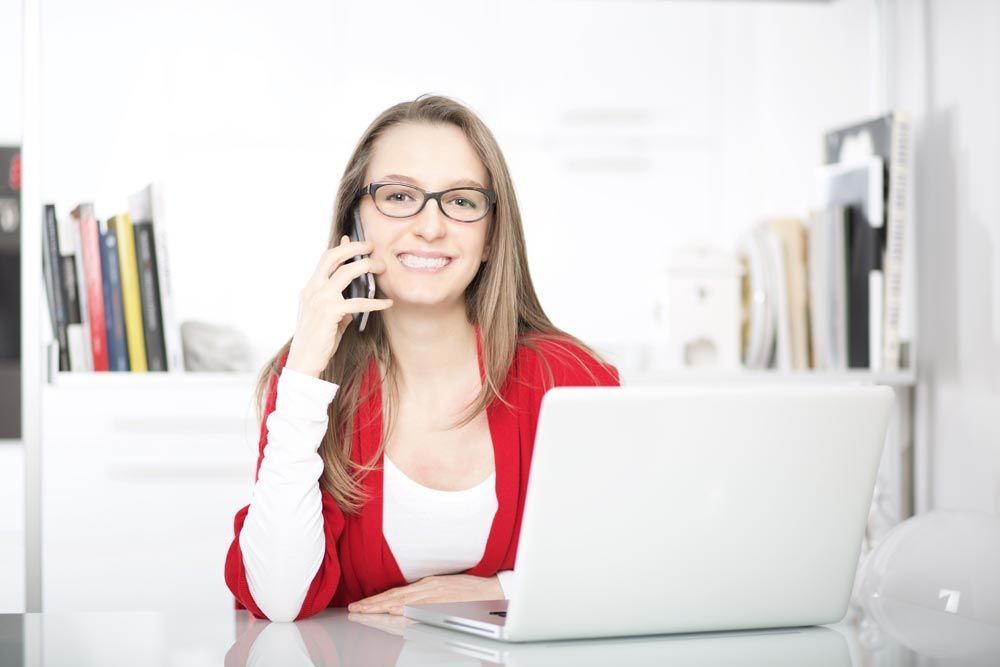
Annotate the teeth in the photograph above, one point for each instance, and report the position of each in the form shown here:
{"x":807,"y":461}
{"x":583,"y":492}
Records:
{"x":423,"y":262}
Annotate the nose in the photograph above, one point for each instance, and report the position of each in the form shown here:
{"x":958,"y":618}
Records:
{"x":431,"y":222}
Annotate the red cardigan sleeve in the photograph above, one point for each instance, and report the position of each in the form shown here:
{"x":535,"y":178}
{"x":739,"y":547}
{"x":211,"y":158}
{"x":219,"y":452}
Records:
{"x":324,"y":584}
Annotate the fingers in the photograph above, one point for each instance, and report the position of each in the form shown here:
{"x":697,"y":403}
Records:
{"x":394,"y":605}
{"x":366,"y":305}
{"x":345,"y":273}
{"x":334,"y":257}
{"x":380,"y":603}
{"x":392,"y":600}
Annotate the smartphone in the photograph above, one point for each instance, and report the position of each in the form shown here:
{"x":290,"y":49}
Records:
{"x":362,"y":286}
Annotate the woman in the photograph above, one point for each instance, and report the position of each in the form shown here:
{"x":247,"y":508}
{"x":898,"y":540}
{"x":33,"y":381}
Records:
{"x":348,"y":508}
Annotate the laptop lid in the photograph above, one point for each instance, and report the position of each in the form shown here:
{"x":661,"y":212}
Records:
{"x":681,"y":509}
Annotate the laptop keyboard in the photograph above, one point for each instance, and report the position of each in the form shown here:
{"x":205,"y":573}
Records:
{"x":498,"y":613}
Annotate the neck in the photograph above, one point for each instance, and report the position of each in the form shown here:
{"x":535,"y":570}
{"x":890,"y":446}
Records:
{"x":432,"y":347}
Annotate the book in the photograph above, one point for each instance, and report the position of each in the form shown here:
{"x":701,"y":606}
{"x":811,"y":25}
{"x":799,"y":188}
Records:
{"x":778,"y":286}
{"x":827,"y":284}
{"x":52,"y":269}
{"x":888,"y":137}
{"x":150,"y":292}
{"x":76,"y":339}
{"x":114,"y":315}
{"x":759,"y":296}
{"x":792,"y":234}
{"x":858,"y":187}
{"x":91,"y":284}
{"x":131,"y":299}
{"x":148,"y":211}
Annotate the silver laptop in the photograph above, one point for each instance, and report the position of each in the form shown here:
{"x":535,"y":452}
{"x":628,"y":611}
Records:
{"x":794,"y":647}
{"x":655,"y":510}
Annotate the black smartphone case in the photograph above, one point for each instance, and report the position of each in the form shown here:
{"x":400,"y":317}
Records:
{"x":363,"y":286}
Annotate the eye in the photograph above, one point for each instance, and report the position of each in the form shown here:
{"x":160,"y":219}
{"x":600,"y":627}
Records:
{"x":462,"y":202}
{"x":397,"y":196}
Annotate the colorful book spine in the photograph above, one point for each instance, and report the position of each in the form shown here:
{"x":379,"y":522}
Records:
{"x":92,"y":285}
{"x":122,"y":224}
{"x":114,"y":317}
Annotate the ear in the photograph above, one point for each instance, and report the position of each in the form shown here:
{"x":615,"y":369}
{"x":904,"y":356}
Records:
{"x":486,"y":254}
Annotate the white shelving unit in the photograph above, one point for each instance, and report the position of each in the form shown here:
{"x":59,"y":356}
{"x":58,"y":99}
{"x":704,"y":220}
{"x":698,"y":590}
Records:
{"x":142,"y":477}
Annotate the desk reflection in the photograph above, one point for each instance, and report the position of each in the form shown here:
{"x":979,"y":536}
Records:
{"x":338,"y":638}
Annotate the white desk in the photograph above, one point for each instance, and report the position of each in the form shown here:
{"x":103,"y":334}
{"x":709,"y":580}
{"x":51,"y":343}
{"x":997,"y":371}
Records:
{"x":335,"y":637}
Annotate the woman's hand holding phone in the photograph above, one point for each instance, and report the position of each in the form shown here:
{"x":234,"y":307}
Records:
{"x":324,"y":313}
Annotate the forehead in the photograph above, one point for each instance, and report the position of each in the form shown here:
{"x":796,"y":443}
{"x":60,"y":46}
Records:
{"x":434,"y":156}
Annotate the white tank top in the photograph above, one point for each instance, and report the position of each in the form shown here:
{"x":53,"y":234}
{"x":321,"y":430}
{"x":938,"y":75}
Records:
{"x":431,"y":531}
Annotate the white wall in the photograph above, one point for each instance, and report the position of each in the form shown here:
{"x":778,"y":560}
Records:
{"x":10,"y":71}
{"x":958,"y":157}
{"x":11,"y":452}
{"x":715,"y":110}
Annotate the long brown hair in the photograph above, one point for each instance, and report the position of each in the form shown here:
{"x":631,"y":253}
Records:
{"x":500,"y":299}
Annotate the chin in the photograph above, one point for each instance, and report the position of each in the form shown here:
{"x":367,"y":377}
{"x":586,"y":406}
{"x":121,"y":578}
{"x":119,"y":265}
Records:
{"x":413,"y":295}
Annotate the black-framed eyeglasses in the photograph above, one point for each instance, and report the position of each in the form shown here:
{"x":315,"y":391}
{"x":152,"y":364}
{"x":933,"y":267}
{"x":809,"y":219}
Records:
{"x":399,"y":200}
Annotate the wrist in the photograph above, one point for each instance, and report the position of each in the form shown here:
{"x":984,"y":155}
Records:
{"x":305,"y":369}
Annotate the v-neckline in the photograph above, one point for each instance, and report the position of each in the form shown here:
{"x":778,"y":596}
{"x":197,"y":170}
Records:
{"x":504,"y":461}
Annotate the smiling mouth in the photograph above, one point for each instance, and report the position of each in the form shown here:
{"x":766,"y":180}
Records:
{"x":427,"y":264}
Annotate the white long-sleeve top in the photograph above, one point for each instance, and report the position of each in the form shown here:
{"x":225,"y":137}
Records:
{"x":429,"y":531}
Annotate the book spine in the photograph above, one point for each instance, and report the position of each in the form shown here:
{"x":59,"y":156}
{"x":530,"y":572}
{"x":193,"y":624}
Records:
{"x":130,"y":293}
{"x":114,"y":315}
{"x":816,"y":268}
{"x":150,"y":292}
{"x":876,"y":289}
{"x":895,"y":240}
{"x":838,"y":275}
{"x":87,"y":359}
{"x":71,"y":296}
{"x":54,"y":283}
{"x":90,"y":250}
{"x":171,"y":329}
{"x":864,"y":256}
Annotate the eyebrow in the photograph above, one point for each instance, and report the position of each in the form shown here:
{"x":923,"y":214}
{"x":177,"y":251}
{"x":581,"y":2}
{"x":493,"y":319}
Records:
{"x":462,"y":182}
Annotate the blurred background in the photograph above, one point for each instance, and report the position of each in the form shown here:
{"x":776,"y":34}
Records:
{"x":634,"y":131}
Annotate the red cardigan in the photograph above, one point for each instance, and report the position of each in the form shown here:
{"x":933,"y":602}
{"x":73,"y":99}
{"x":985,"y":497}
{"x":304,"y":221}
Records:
{"x":358,"y":562}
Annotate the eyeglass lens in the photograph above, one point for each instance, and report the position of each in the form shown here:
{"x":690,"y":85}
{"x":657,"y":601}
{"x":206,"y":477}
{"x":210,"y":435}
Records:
{"x":400,"y":201}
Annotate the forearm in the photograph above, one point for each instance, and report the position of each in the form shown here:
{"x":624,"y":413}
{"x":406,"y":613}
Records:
{"x":282,"y":541}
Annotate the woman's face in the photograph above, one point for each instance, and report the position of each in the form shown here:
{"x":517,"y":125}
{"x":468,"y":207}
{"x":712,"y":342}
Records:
{"x":432,"y":157}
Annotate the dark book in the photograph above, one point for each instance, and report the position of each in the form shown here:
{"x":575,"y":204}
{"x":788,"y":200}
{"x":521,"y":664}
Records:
{"x":147,"y":206}
{"x":149,"y":291}
{"x":864,"y":246}
{"x":114,"y":318}
{"x":857,"y":187}
{"x":53,"y":267}
{"x":887,"y":137}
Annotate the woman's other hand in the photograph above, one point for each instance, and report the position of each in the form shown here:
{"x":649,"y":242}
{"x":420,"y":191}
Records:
{"x":438,"y":588}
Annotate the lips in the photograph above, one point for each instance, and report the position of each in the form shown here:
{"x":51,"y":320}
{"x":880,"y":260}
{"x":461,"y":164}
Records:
{"x":425,"y":255}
